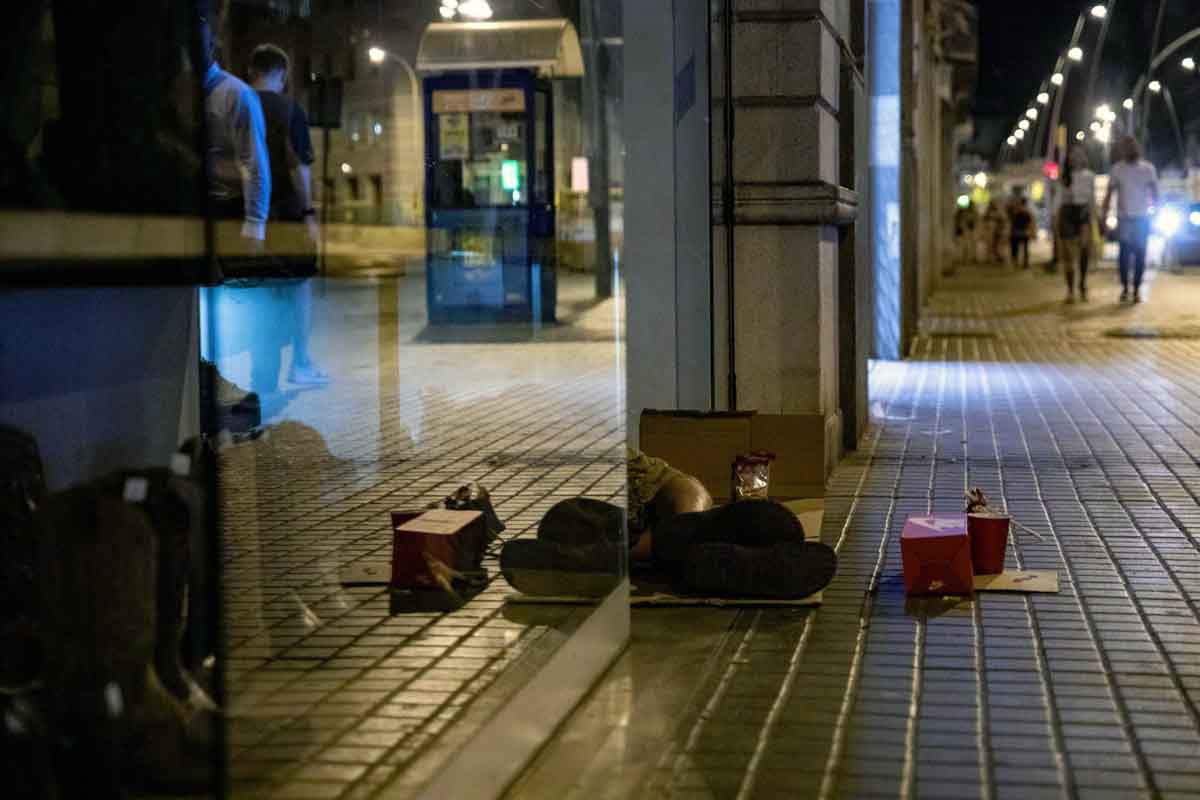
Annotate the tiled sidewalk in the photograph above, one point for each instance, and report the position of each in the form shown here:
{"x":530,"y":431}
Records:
{"x":332,"y":695}
{"x":1092,"y":441}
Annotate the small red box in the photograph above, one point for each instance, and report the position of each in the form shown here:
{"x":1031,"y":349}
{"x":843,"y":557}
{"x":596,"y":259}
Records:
{"x":452,"y":538}
{"x":937,"y":555}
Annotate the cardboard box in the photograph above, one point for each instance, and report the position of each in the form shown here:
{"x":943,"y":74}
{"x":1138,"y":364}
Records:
{"x":421,"y":538}
{"x":705,"y":444}
{"x":798,"y":442}
{"x":936,"y":553}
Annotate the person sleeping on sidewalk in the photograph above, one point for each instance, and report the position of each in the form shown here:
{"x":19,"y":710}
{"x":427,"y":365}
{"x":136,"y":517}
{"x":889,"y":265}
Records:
{"x":751,"y":548}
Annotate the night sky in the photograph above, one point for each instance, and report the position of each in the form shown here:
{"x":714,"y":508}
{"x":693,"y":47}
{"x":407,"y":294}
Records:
{"x":1020,"y":40}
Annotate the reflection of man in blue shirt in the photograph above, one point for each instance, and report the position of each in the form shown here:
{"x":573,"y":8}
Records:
{"x":238,"y":166}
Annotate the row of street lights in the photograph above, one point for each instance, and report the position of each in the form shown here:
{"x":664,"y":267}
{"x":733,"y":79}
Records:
{"x":1104,"y":118}
{"x":1058,"y":79}
{"x":467,"y":9}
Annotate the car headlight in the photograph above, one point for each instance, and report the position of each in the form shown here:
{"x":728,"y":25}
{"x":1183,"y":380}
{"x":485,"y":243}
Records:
{"x":1168,"y":221}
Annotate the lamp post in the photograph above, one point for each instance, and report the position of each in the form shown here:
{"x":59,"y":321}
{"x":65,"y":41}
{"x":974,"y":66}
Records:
{"x":378,"y":55}
{"x":1155,"y":86}
{"x":1094,"y":72}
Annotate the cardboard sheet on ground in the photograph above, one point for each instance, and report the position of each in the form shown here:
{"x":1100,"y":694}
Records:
{"x":1038,"y":582}
{"x":649,"y":589}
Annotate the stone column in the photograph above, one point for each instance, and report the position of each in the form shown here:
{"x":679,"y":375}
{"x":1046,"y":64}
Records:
{"x":666,"y":263}
{"x":789,"y":202}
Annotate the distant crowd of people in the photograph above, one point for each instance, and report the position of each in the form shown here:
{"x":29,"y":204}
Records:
{"x":1000,"y":235}
{"x":1076,"y":222}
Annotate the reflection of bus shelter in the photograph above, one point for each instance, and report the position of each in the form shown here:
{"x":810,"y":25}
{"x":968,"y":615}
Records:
{"x":489,"y":166}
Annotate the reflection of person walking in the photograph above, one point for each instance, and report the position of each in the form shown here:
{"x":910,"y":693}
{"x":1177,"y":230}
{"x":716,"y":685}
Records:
{"x":1021,"y":229}
{"x":291,"y":155}
{"x":1136,"y":182}
{"x":1075,"y":220}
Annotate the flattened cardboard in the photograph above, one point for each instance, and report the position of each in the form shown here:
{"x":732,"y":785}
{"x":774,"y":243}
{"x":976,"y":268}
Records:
{"x":1039,"y":582}
{"x":706,"y":444}
{"x":798,"y":442}
{"x":703,"y":445}
{"x":667,"y":599}
{"x":936,"y":553}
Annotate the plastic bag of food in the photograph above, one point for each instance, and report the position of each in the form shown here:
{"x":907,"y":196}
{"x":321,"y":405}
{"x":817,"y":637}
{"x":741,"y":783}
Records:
{"x":752,"y":476}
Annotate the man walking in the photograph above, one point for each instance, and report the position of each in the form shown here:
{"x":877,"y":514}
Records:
{"x":291,"y":155}
{"x":1136,"y":182}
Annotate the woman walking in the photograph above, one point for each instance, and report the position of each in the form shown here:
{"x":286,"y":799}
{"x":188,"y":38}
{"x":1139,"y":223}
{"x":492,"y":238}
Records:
{"x":1075,"y":220}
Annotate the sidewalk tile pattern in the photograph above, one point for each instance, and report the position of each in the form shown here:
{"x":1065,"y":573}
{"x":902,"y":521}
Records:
{"x":333,"y":696}
{"x":1093,"y":442}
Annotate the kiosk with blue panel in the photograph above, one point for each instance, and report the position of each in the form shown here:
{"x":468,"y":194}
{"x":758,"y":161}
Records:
{"x":489,"y":172}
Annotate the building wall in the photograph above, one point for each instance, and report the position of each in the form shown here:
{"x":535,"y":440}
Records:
{"x":786,"y":199}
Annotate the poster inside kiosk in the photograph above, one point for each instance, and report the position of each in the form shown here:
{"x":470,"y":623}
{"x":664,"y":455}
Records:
{"x":459,"y":101}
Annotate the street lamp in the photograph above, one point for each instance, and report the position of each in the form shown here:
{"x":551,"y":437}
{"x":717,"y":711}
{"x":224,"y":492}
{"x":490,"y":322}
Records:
{"x":1057,"y":79}
{"x":1155,"y":86}
{"x":1019,"y":133}
{"x":1023,"y":125}
{"x":1043,"y":98}
{"x":1189,"y":64}
{"x":1012,"y":141}
{"x":1099,"y":11}
{"x":475,"y":9}
{"x":1080,"y":136}
{"x":1128,"y":104}
{"x":1075,"y":54}
{"x":377,"y":55}
{"x":1031,"y":113}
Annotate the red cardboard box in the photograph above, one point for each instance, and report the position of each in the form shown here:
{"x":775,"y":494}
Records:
{"x":937,"y":555}
{"x":453,"y":538}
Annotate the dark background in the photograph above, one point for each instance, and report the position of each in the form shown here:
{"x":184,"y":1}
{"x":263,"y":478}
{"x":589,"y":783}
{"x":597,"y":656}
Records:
{"x":1021,"y":40}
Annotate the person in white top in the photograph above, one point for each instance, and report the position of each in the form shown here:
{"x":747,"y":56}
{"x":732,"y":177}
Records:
{"x":1136,"y":183}
{"x":1075,"y":220}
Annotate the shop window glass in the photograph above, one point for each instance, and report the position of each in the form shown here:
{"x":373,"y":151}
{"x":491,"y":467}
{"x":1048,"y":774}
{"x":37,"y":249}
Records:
{"x":259,"y":405}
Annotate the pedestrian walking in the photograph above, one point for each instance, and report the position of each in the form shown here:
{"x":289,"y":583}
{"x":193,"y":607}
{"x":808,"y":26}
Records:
{"x":994,"y":223}
{"x":1135,"y":181}
{"x":291,"y":156}
{"x":965,"y":222}
{"x":1074,"y":220}
{"x":1021,"y":228}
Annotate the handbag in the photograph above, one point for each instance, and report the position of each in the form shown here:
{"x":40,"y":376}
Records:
{"x":1074,"y":221}
{"x":1096,"y":239}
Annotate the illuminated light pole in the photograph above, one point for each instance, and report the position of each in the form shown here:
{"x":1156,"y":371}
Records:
{"x":1155,"y":86}
{"x":377,"y":56}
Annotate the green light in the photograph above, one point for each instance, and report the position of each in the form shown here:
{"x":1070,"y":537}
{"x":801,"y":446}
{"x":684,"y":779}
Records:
{"x":510,"y":177}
